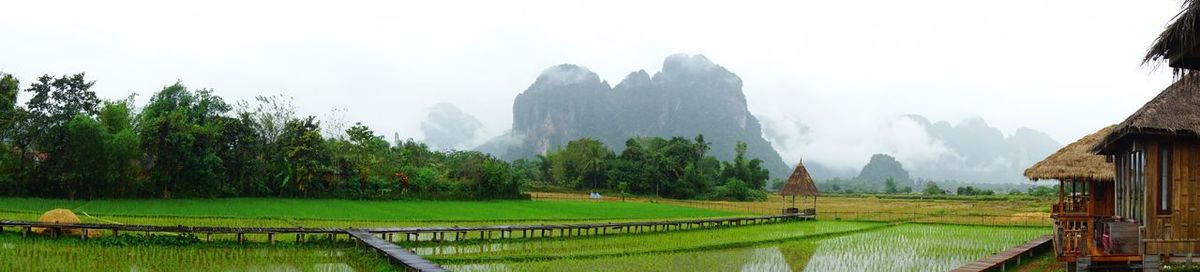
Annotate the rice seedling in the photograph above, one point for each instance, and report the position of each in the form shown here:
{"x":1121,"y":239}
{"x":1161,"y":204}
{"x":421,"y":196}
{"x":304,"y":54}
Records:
{"x":45,"y":254}
{"x":574,"y":247}
{"x":916,"y":247}
{"x":907,"y":247}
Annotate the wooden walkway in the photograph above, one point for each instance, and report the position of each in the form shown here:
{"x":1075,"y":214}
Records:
{"x":397,"y":254}
{"x":435,"y":234}
{"x":1001,"y":261}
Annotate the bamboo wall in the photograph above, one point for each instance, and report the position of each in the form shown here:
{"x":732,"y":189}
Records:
{"x":1177,"y":232}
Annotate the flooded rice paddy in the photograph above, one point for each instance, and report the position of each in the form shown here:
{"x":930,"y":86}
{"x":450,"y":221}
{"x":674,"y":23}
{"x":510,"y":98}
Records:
{"x":906,"y":247}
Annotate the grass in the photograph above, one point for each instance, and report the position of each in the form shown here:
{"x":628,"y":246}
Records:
{"x":906,"y":247}
{"x":291,"y":211}
{"x":46,"y":254}
{"x":1045,"y":262}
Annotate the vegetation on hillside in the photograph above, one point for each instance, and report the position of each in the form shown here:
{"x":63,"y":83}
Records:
{"x":68,"y":143}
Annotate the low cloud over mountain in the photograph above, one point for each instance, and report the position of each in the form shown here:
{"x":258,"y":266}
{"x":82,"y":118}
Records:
{"x":970,"y":151}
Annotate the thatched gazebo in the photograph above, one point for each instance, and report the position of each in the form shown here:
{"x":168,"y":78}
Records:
{"x":1085,"y":188}
{"x":1075,"y":161}
{"x":800,"y":184}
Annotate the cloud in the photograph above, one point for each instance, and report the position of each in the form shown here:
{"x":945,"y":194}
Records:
{"x":448,"y":127}
{"x":847,"y":143}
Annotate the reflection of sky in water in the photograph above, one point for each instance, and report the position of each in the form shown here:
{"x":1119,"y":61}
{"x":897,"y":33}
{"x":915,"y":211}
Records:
{"x":902,"y":248}
{"x":459,"y":249}
{"x":766,"y":259}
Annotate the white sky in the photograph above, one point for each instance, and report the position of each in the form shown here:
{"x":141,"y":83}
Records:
{"x":1066,"y":67}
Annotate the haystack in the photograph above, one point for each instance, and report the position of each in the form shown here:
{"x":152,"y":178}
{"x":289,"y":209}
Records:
{"x":61,"y":216}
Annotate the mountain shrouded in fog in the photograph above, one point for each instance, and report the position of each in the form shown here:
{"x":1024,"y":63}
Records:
{"x":969,"y":151}
{"x":690,"y":95}
{"x":448,"y":127}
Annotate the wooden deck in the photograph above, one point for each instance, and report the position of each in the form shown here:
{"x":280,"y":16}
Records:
{"x":397,"y":254}
{"x":1000,"y":261}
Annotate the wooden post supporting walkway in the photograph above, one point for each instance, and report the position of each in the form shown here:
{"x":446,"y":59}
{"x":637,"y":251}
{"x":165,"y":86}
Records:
{"x":398,"y":255}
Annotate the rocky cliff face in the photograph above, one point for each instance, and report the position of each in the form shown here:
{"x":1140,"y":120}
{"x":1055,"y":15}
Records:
{"x":882,"y":167}
{"x":690,"y":96}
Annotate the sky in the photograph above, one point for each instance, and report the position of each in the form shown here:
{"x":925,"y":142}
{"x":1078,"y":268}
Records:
{"x":843,"y":68}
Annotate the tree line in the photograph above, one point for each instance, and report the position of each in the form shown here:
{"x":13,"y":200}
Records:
{"x":676,"y":167}
{"x":65,"y":142}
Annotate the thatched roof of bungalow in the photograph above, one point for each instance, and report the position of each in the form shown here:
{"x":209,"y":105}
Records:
{"x":1174,"y":112}
{"x":1179,"y":43}
{"x":1075,"y":161}
{"x":799,"y":183}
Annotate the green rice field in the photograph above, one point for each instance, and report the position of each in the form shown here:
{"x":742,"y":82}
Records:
{"x":905,"y":247}
{"x":823,"y":245}
{"x":48,"y":254}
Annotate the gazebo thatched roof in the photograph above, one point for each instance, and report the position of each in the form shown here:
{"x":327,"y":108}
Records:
{"x":1179,"y":43}
{"x":1174,"y":112}
{"x":799,"y":183}
{"x":1075,"y":161}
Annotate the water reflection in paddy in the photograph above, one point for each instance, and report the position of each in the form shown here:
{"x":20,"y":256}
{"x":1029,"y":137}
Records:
{"x":910,"y":247}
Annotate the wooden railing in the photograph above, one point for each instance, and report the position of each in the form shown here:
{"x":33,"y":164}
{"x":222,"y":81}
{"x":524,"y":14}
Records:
{"x":1072,"y":234}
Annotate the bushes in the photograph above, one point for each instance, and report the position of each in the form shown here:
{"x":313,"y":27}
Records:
{"x":737,"y":190}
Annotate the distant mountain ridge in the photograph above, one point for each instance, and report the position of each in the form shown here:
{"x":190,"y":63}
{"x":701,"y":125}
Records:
{"x":691,"y":95}
{"x":976,"y":152}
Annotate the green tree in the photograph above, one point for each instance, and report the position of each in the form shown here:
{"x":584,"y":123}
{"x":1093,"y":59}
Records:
{"x":181,"y":134}
{"x":932,"y":189}
{"x":10,"y":115}
{"x":749,"y":171}
{"x":122,"y":148}
{"x":366,"y":154}
{"x":584,"y":162}
{"x":9,"y":87}
{"x":890,"y":186}
{"x":81,"y":163}
{"x":45,"y":135}
{"x":305,"y":156}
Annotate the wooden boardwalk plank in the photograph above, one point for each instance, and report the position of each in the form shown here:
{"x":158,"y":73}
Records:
{"x":998,"y":260}
{"x":397,"y":254}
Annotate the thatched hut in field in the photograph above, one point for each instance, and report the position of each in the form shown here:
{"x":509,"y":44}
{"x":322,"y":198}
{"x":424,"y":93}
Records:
{"x":800,"y":184}
{"x":1085,"y":198}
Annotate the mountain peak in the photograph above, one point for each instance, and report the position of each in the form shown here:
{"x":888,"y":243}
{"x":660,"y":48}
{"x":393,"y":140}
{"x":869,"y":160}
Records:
{"x":566,"y":74}
{"x":634,"y":79}
{"x":683,"y":63}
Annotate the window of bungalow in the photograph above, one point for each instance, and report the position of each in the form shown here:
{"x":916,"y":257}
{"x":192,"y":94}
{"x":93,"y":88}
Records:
{"x":1130,"y":185}
{"x":1119,"y":186}
{"x":1164,"y":179}
{"x":1137,"y":191}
